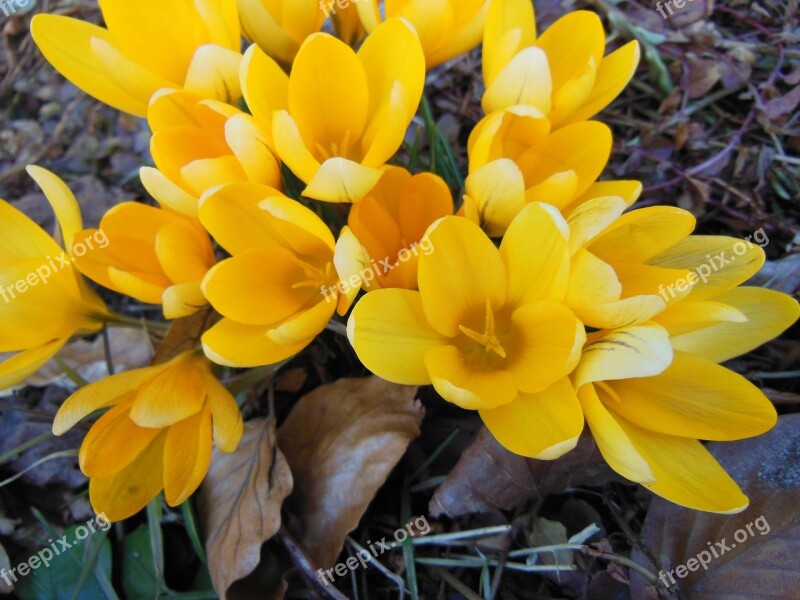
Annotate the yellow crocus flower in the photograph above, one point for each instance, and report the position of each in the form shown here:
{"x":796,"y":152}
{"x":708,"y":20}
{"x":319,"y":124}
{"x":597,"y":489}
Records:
{"x":447,"y":28}
{"x":157,"y":433}
{"x":488,"y":328}
{"x":147,"y":45}
{"x":198,"y":144}
{"x":44,"y":300}
{"x":281,"y":285}
{"x":561,"y":73}
{"x":340,"y":115}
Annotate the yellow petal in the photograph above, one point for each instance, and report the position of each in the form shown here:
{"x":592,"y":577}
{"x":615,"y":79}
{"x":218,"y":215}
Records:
{"x":534,"y":251}
{"x":525,"y":80}
{"x":571,"y":43}
{"x":462,"y":272}
{"x":21,"y":238}
{"x":342,"y":180}
{"x":226,"y":417}
{"x":171,"y":396}
{"x":66,"y":44}
{"x":264,"y":84}
{"x":187,"y":456}
{"x":214,"y":73}
{"x":305,"y":325}
{"x":768,"y":313}
{"x":629,"y":191}
{"x":184,"y":251}
{"x":642,"y":234}
{"x":591,"y":218}
{"x":100,"y":394}
{"x":22,"y":365}
{"x":391,"y":335}
{"x":510,"y":27}
{"x":498,"y":189}
{"x":695,"y":398}
{"x":720,"y":262}
{"x":182,"y":300}
{"x":547,"y":347}
{"x":592,"y":282}
{"x":685,"y":472}
{"x":237,"y":345}
{"x":113,"y":443}
{"x":252,"y":149}
{"x":467,"y":385}
{"x":266,"y":299}
{"x":291,"y":148}
{"x":61,"y":198}
{"x":612,"y":440}
{"x":688,"y":315}
{"x":126,"y":493}
{"x":636,"y":351}
{"x":613,"y":74}
{"x":544,"y":425}
{"x":167,"y":192}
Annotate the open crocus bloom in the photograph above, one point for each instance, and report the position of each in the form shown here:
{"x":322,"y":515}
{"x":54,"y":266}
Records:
{"x":154,"y":255}
{"x":515,"y":159}
{"x":198,"y":144}
{"x":157,"y":434}
{"x":279,"y":27}
{"x":563,"y":73}
{"x":280,"y":287}
{"x":390,"y":225}
{"x":488,"y":328}
{"x":339,"y":116}
{"x":44,"y":301}
{"x":447,"y":28}
{"x":140,"y":51}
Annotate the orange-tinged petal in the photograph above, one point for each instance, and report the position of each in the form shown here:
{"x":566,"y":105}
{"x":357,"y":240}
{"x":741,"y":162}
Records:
{"x":113,"y":443}
{"x":462,"y":272}
{"x":171,"y":396}
{"x":100,"y":394}
{"x":145,"y":287}
{"x":187,"y":456}
{"x":391,"y":335}
{"x":544,"y":425}
{"x":127,"y":492}
{"x":468,"y":386}
{"x":695,"y":398}
{"x":184,"y":251}
{"x":227,"y":422}
{"x":305,"y":325}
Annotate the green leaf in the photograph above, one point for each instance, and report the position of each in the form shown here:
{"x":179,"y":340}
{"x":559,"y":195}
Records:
{"x":139,"y":577}
{"x":68,"y":574}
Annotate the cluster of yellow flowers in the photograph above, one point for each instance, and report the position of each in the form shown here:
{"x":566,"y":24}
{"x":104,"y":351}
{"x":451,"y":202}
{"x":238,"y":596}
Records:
{"x":537,"y":304}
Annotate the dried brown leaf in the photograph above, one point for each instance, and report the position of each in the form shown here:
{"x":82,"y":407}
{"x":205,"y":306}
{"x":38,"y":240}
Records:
{"x":489,"y":477}
{"x":184,"y":335}
{"x":758,"y":565}
{"x":701,"y":76}
{"x":342,"y":440}
{"x":240,"y":506}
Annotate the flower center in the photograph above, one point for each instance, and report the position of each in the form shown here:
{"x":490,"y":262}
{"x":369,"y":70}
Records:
{"x":488,"y":339}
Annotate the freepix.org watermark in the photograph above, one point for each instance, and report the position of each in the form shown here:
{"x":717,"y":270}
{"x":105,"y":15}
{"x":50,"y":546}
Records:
{"x":417,"y":527}
{"x":714,"y":264}
{"x":43,"y":273}
{"x":715,"y":550}
{"x":45,"y":555}
{"x":13,"y":7}
{"x":668,"y":5}
{"x":425,"y":245}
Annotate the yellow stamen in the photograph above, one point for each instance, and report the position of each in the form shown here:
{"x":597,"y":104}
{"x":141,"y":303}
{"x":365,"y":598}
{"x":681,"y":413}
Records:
{"x":488,"y":339}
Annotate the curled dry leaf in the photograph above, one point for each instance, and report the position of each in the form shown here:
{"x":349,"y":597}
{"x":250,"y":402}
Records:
{"x":755,"y":563}
{"x":489,"y":477}
{"x":342,"y":440}
{"x":240,"y":507}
